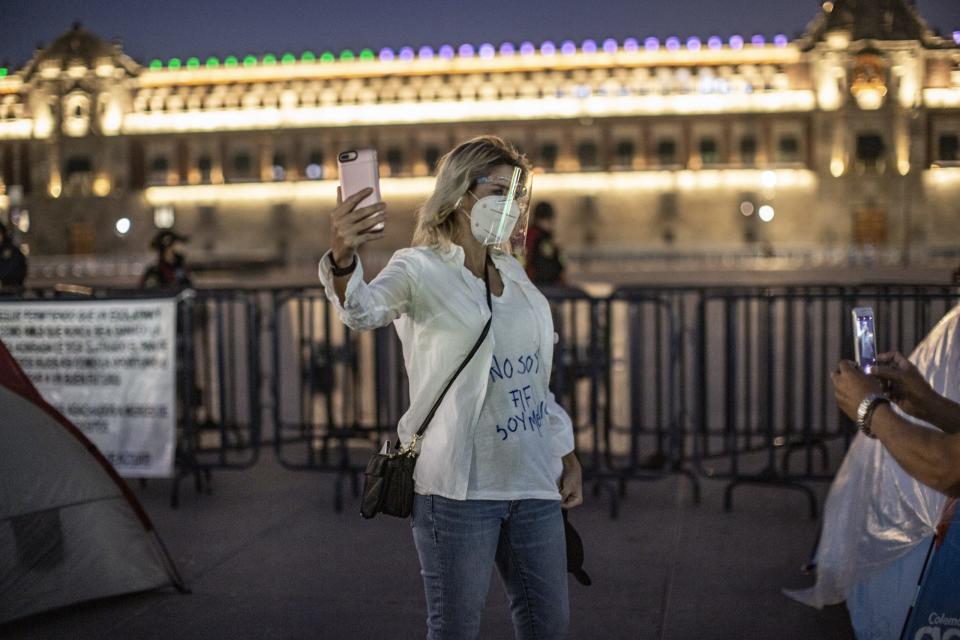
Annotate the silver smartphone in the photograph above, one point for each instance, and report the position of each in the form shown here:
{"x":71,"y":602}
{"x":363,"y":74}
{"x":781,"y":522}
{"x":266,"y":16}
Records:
{"x":864,"y":338}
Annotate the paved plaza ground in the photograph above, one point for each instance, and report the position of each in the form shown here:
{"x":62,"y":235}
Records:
{"x":267,"y":557}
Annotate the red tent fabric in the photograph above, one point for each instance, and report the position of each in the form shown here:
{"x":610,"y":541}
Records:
{"x":70,"y":528}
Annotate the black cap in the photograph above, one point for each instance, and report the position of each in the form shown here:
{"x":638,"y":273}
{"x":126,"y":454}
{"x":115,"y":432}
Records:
{"x":575,"y":552}
{"x":165,"y":238}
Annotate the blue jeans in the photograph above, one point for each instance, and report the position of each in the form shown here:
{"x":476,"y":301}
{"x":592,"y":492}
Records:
{"x":459,"y":542}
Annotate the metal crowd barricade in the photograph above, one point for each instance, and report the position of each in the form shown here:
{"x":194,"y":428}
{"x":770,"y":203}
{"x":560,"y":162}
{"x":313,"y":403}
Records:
{"x":762,"y":381}
{"x":643,"y":429}
{"x":578,"y":378}
{"x":338,"y":394}
{"x":219,"y":395}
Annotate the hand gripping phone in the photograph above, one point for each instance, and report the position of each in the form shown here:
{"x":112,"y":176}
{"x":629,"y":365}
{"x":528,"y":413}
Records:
{"x":359,"y":170}
{"x":864,"y":338}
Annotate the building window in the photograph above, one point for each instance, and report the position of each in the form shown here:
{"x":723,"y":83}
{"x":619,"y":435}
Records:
{"x":548,"y":156}
{"x":587,"y":155}
{"x":314,"y":168}
{"x":948,"y":148}
{"x":709,"y":154}
{"x":204,"y":168}
{"x":76,"y":165}
{"x":242,"y":165}
{"x":159,"y":167}
{"x":870,"y":149}
{"x":279,"y":166}
{"x":788,"y":149}
{"x":78,"y":176}
{"x":395,"y":161}
{"x":625,"y":151}
{"x":748,"y":150}
{"x":431,"y":155}
{"x":666,"y":152}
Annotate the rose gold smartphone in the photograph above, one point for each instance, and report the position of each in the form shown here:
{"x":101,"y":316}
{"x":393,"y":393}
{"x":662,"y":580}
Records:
{"x":359,"y":169}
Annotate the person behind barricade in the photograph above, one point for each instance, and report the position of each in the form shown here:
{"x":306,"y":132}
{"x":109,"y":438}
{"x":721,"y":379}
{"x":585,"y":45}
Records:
{"x":878,"y":516}
{"x":13,"y":264}
{"x":497,"y":463}
{"x":544,"y":262}
{"x":170,"y":271}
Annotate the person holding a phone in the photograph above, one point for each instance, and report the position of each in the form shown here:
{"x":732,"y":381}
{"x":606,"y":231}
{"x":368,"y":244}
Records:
{"x":497,"y":464}
{"x":932,"y":456}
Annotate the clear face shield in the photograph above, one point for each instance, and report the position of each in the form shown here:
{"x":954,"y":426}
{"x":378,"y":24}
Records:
{"x":500,"y":214}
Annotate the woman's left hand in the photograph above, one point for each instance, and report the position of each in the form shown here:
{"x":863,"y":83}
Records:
{"x":571,"y":482}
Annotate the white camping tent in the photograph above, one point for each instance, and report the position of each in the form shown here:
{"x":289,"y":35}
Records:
{"x":70,"y":529}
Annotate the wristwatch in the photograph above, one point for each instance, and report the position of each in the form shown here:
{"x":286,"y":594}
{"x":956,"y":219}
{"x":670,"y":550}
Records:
{"x":339,"y":272}
{"x":865,"y":412}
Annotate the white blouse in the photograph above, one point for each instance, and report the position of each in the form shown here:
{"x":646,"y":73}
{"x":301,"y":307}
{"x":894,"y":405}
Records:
{"x":512,"y":458}
{"x":439,"y":308}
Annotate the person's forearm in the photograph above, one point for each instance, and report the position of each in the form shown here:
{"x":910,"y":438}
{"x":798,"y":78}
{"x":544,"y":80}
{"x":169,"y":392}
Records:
{"x":943,"y":413}
{"x":926,"y":454}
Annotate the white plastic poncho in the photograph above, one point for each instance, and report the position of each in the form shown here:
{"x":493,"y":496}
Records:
{"x":876,"y":514}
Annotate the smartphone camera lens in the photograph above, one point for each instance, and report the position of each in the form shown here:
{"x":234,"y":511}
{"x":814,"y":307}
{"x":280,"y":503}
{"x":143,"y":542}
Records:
{"x":347,"y":156}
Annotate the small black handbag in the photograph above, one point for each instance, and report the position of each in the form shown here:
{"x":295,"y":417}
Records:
{"x":388,"y":478}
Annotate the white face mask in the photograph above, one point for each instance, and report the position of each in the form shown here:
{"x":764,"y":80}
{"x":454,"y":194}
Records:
{"x":493,"y":219}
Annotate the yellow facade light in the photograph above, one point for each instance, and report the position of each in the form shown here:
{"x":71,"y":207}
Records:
{"x":101,"y":186}
{"x":586,"y":183}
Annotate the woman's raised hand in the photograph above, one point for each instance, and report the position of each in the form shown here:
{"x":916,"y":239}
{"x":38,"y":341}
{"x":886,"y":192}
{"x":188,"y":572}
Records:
{"x":350,"y":226}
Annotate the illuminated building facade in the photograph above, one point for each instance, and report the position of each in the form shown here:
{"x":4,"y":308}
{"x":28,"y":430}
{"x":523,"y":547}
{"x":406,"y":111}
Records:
{"x":845,"y":137}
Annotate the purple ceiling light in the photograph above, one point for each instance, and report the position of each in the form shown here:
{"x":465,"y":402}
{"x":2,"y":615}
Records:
{"x":446,"y":52}
{"x":736,"y":42}
{"x":631,"y":45}
{"x":548,"y":48}
{"x":487,"y":51}
{"x":693,"y":44}
{"x":507,"y":49}
{"x":406,"y":54}
{"x":466,"y":51}
{"x":588,"y":46}
{"x":780,"y":40}
{"x":956,"y":37}
{"x":609,"y":45}
{"x":758,"y":40}
{"x":673,"y":43}
{"x":715,"y":43}
{"x":527,"y":49}
{"x":651,"y":44}
{"x":568,"y":48}
{"x":386,"y":54}
{"x":425,"y":53}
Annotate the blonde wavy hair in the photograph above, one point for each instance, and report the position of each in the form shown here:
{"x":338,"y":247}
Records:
{"x":457,"y":172}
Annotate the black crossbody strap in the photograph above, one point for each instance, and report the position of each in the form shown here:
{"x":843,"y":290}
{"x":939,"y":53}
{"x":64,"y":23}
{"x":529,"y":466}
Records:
{"x":483,"y":336}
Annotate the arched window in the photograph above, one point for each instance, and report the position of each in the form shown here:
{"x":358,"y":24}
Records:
{"x":242,"y":164}
{"x":395,"y":161}
{"x":314,"y":168}
{"x":666,"y":152}
{"x":948,"y":148}
{"x":548,"y":156}
{"x":625,"y":151}
{"x":709,"y":153}
{"x":587,"y":155}
{"x":77,"y":165}
{"x":788,"y":149}
{"x":748,"y":150}
{"x":279,"y":166}
{"x":204,"y":168}
{"x":431,"y":155}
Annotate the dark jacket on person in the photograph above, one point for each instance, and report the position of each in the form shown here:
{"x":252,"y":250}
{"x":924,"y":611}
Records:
{"x":13,"y":265}
{"x":166,"y":275}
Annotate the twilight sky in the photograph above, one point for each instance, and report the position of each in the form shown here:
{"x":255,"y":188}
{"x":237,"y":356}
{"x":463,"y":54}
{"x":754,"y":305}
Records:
{"x":183,"y":28}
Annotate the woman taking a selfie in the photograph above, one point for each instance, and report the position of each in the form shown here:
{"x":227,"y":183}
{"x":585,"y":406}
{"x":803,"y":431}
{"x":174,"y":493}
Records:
{"x":496,"y":464}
